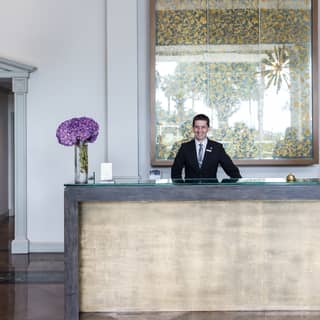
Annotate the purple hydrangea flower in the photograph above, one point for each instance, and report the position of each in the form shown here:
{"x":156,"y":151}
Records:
{"x":76,"y":130}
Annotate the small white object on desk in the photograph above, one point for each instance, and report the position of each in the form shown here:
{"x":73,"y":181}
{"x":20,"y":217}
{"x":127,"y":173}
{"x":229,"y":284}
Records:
{"x":154,"y":174}
{"x":106,"y":171}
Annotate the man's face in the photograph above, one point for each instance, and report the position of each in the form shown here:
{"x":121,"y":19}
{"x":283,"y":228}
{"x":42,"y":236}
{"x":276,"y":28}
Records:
{"x":200,"y":129}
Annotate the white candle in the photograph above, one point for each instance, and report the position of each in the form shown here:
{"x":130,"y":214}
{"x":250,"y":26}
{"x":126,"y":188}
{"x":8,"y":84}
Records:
{"x":106,"y":171}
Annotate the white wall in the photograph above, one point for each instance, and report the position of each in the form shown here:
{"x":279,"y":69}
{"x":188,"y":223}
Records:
{"x":70,"y":41}
{"x":65,"y":40}
{"x":121,"y":25}
{"x":3,"y":153}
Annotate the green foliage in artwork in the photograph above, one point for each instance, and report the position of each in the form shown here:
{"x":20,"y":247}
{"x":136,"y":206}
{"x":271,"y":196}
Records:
{"x":171,"y":135}
{"x":241,"y":141}
{"x":186,"y":132}
{"x":232,"y":26}
{"x":240,"y":26}
{"x":181,"y":4}
{"x":285,"y":26}
{"x":222,"y":86}
{"x":293,"y":147}
{"x":227,"y":85}
{"x":187,"y":29}
{"x":187,"y":82}
{"x":181,"y":27}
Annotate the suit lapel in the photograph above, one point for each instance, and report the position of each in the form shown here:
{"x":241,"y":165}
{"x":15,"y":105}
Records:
{"x":193,"y":153}
{"x":206,"y":153}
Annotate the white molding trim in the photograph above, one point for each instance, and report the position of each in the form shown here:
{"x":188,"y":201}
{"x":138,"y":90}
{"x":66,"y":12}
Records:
{"x":25,"y":246}
{"x":13,"y":67}
{"x":48,"y":247}
{"x":19,"y":73}
{"x":20,"y":246}
{"x":19,"y":86}
{"x":11,"y":153}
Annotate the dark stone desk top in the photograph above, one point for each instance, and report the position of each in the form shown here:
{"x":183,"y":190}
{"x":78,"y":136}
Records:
{"x":165,"y":189}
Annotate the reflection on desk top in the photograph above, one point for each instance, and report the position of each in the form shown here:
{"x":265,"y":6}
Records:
{"x":169,"y":182}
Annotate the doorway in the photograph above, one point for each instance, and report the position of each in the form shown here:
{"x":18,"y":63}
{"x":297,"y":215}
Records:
{"x":14,"y":78}
{"x":6,"y":149}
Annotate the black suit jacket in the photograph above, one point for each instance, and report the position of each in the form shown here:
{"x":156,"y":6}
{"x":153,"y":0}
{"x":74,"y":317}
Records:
{"x":213,"y":156}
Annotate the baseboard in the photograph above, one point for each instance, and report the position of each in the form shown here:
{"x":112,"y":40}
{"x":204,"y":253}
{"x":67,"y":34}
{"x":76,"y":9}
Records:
{"x":20,"y":246}
{"x":45,"y":247}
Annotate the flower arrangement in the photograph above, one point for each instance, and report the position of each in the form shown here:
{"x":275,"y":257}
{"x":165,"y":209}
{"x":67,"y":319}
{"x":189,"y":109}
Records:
{"x":78,"y":132}
{"x":73,"y":131}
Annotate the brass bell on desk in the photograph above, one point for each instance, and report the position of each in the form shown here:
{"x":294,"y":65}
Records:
{"x":291,"y":177}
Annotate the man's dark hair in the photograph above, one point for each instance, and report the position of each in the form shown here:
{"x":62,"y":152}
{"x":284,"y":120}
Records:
{"x":201,"y":116}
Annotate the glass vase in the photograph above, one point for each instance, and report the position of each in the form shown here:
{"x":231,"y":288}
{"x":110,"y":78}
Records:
{"x":81,"y":163}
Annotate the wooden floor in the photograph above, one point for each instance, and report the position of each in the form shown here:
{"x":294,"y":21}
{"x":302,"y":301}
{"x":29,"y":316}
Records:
{"x":31,"y":288}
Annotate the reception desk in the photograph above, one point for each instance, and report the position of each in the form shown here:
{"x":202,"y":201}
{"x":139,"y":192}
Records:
{"x":136,"y":246}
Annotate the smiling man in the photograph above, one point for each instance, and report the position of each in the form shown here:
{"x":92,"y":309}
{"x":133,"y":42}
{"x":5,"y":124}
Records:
{"x":201,"y":156}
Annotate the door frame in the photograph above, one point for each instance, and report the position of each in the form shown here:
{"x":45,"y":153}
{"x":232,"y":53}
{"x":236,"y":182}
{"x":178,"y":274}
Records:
{"x":19,"y":74}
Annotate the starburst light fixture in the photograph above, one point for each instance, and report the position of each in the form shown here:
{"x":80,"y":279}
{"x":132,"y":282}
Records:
{"x":276,"y":67}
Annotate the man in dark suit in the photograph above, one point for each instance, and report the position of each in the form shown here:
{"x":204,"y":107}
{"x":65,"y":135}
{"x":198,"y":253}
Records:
{"x":201,"y":157}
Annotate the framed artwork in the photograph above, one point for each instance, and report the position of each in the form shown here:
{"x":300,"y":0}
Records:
{"x":249,"y":65}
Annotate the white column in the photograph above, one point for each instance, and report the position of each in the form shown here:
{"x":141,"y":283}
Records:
{"x":11,"y":154}
{"x":20,"y":244}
